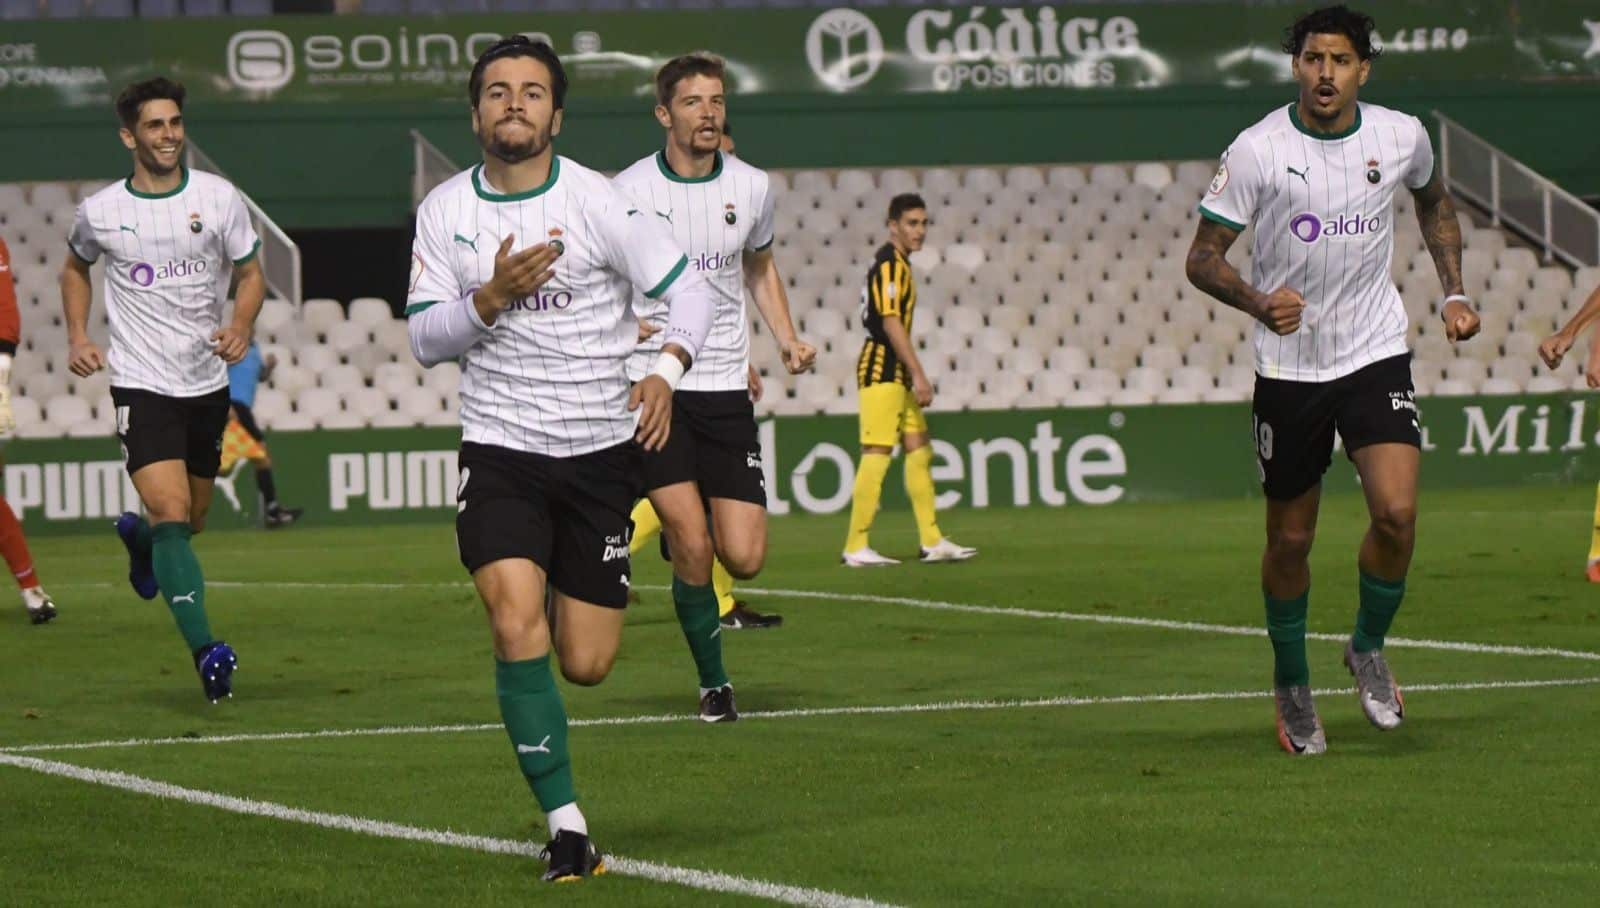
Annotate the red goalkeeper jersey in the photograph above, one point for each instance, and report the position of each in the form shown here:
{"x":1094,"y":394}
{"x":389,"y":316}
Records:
{"x":10,"y":318}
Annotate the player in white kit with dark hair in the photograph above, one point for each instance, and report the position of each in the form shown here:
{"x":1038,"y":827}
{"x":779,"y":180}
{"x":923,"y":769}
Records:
{"x":720,"y":210}
{"x":1317,"y":179}
{"x":172,"y":240}
{"x":523,"y":271}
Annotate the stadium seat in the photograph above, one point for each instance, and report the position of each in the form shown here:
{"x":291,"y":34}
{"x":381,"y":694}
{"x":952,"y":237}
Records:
{"x":1145,"y":379}
{"x":1225,"y":395}
{"x":1523,"y":346}
{"x":316,"y":357}
{"x":42,"y":386}
{"x":1541,"y":384}
{"x":1027,"y":179}
{"x":393,"y":378}
{"x":1453,"y":388}
{"x":270,"y":404}
{"x":343,"y":379}
{"x":66,"y":411}
{"x":321,"y":314}
{"x":444,"y":378}
{"x":893,"y":182}
{"x":346,"y":337}
{"x":1161,"y":357}
{"x":1152,"y":175}
{"x":1499,"y":386}
{"x":370,"y":310}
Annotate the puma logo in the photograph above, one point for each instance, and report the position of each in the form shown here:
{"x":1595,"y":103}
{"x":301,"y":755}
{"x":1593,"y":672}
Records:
{"x":187,"y":597}
{"x":472,"y":243}
{"x":131,"y":230}
{"x":1302,"y":174}
{"x":540,"y":748}
{"x":665,"y":217}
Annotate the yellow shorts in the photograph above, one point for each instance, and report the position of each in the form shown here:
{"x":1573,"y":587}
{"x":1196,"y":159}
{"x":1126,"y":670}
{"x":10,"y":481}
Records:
{"x":237,"y":445}
{"x":888,"y":411}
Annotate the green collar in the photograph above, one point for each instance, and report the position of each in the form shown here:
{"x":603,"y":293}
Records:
{"x":1294,"y":117}
{"x":182,"y":185}
{"x":484,"y":193}
{"x":666,"y":169}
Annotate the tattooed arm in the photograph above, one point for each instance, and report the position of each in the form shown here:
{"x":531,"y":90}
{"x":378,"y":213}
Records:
{"x":1436,"y":215}
{"x":1208,"y":268}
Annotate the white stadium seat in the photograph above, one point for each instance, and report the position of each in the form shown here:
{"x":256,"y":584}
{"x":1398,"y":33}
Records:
{"x":370,"y":310}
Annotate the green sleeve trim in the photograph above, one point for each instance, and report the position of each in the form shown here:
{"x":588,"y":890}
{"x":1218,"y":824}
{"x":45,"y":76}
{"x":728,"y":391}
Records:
{"x":414,"y":308}
{"x":767,"y":245}
{"x":78,"y":255}
{"x":656,"y":291}
{"x":1210,"y":215}
{"x":249,"y":255}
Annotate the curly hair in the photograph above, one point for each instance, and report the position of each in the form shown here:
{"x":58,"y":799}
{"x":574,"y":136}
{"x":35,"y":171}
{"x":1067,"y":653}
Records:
{"x":1333,"y":20}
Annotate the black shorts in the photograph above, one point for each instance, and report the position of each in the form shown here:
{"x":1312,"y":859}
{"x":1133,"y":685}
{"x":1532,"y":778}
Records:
{"x":153,"y":427}
{"x":568,"y":515}
{"x":1294,"y":422}
{"x":714,"y":444}
{"x":247,"y":420}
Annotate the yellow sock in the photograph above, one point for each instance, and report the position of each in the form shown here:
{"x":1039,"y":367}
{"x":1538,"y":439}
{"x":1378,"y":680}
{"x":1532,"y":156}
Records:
{"x":1594,"y":541}
{"x":722,"y":584}
{"x":864,"y":500}
{"x":919,"y":488}
{"x":646,"y":524}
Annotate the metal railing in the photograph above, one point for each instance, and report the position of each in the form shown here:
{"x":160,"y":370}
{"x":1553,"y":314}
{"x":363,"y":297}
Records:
{"x":280,"y":257}
{"x":1512,"y":193}
{"x":429,"y":168}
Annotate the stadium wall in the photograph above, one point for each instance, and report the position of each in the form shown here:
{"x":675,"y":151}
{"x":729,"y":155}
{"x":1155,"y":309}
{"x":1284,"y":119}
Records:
{"x":1055,"y":458}
{"x":338,"y":165}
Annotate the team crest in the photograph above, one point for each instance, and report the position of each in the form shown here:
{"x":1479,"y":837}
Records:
{"x":729,"y":216}
{"x":1373,"y":174}
{"x":555,"y":240}
{"x":1220,"y":180}
{"x":194,"y":222}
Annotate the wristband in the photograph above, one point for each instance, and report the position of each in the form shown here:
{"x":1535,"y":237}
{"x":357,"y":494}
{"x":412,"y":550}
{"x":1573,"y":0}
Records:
{"x":670,"y":368}
{"x":1456,"y":297}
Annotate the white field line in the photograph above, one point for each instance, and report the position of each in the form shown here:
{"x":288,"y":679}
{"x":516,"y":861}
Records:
{"x":662,"y":873}
{"x":940,"y":707}
{"x":1492,"y":649}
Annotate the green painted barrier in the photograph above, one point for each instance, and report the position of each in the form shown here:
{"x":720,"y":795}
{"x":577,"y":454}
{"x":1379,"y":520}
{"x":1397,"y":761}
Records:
{"x":982,"y":459}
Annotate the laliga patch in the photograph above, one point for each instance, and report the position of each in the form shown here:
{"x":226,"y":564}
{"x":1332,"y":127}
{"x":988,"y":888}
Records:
{"x":1220,"y":180}
{"x":416,"y":272}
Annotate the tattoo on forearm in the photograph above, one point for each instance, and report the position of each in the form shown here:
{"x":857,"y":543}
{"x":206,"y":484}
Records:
{"x":1441,"y":232}
{"x":1208,"y":268}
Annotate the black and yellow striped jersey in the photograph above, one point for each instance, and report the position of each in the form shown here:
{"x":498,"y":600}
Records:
{"x":889,"y":293}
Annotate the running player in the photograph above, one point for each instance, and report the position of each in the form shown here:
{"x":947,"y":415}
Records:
{"x":1317,"y":178}
{"x":243,"y":439}
{"x":172,"y":239}
{"x":720,"y":210}
{"x":522,"y":270}
{"x":894,"y":390}
{"x":13,"y":545}
{"x":1553,"y":350}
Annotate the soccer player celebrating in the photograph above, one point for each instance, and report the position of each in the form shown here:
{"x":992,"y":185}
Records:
{"x":1553,"y":350}
{"x":894,"y":389}
{"x":13,"y":545}
{"x":172,"y":239}
{"x":720,"y":210}
{"x":521,"y":271}
{"x":1318,"y":178}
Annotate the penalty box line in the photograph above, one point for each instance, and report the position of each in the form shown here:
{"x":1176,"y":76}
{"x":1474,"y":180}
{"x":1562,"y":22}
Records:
{"x":777,"y":714}
{"x":707,"y":880}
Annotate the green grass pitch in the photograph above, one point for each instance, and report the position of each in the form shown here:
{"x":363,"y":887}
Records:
{"x":1107,"y":793}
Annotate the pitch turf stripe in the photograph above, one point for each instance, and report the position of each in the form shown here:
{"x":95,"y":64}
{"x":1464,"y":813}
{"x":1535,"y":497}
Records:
{"x":649,"y":870}
{"x":1493,"y":649}
{"x":939,"y":707}
{"x":1166,"y":624}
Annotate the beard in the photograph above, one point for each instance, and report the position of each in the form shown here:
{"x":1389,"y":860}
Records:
{"x":147,"y":157}
{"x":514,"y":151}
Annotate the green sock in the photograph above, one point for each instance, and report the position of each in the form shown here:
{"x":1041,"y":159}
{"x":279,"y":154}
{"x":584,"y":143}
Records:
{"x":530,"y":707}
{"x":178,"y":575}
{"x":1286,"y":626}
{"x":1380,"y":599}
{"x":142,"y":537}
{"x":697,"y":615}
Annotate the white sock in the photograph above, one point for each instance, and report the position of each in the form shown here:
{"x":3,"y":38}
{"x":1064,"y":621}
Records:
{"x":707,"y":690}
{"x":567,"y":816}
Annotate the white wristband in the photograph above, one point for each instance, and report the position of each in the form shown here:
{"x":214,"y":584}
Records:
{"x":670,"y":368}
{"x":1454,"y":297}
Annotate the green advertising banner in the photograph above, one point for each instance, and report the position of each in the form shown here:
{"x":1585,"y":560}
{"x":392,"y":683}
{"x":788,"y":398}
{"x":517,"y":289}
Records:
{"x":1019,"y":458}
{"x":1065,"y":47}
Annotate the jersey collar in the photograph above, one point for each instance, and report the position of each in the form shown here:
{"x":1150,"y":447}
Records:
{"x":182,"y":185}
{"x":666,"y":169}
{"x":488,"y":196}
{"x":1294,"y":117}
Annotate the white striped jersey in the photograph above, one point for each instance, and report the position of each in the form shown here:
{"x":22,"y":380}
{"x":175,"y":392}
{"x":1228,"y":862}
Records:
{"x":715,"y":219}
{"x":1323,"y":210}
{"x":550,"y":377}
{"x":169,"y":261}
